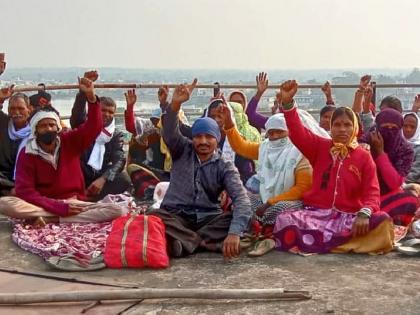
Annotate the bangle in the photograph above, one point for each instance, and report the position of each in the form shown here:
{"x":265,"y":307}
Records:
{"x":288,"y":105}
{"x":364,"y":213}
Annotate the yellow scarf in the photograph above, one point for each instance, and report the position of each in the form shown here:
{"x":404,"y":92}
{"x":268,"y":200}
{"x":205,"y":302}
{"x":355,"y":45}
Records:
{"x":163,"y":148}
{"x":340,"y":150}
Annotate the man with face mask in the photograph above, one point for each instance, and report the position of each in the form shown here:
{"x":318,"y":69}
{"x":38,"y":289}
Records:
{"x":104,"y":161}
{"x":190,"y":208}
{"x":14,"y":131}
{"x":49,"y":181}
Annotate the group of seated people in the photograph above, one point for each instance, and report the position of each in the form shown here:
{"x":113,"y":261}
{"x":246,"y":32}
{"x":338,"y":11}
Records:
{"x":338,"y":186}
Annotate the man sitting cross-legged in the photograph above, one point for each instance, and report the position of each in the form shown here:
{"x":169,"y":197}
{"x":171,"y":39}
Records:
{"x":49,"y":181}
{"x":190,"y":209}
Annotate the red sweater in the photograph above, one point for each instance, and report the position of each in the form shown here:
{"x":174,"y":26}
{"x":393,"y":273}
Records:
{"x":353,"y":182}
{"x":38,"y":183}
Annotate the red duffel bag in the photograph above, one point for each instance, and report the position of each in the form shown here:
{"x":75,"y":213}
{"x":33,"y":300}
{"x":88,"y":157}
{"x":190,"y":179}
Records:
{"x":136,"y":241}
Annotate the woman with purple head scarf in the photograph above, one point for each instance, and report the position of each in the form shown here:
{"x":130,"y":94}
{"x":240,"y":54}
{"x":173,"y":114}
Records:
{"x":393,"y":157}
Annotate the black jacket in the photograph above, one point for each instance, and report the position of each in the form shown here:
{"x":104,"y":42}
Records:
{"x":114,"y":158}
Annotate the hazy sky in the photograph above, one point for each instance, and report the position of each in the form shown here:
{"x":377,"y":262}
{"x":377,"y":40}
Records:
{"x":241,"y":34}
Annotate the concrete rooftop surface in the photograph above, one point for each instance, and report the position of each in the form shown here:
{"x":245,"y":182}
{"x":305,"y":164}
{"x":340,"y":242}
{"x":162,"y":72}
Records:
{"x":339,"y":284}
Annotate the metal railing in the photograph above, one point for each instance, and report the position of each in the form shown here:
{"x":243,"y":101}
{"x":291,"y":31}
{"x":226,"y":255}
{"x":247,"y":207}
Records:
{"x":195,"y":112}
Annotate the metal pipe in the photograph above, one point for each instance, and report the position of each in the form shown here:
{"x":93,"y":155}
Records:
{"x":199,"y":86}
{"x":150,"y":293}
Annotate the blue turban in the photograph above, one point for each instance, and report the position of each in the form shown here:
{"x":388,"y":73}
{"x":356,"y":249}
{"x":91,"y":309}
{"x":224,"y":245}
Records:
{"x":206,"y":125}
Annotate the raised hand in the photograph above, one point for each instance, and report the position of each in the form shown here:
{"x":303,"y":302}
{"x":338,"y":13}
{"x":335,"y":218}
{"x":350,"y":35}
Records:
{"x":5,"y":93}
{"x":367,"y":98}
{"x":92,"y":75}
{"x":182,"y":94}
{"x":87,"y":87}
{"x":262,"y":83}
{"x":163,"y":94}
{"x":326,"y":88}
{"x":130,"y":98}
{"x":287,"y":91}
{"x":416,"y":103}
{"x":226,"y":114}
{"x":364,"y":81}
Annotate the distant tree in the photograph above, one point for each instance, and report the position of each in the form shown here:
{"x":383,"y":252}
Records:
{"x":344,"y":97}
{"x":384,"y":79}
{"x":414,"y":76}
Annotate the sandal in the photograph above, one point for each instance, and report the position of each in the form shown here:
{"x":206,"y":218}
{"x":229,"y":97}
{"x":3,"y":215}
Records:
{"x":73,"y":263}
{"x":410,"y":247}
{"x":262,"y":248}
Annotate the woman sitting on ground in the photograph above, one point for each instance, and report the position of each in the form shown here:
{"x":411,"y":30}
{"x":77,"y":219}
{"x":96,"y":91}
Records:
{"x":341,"y":211}
{"x":393,"y":156}
{"x":283,"y":173}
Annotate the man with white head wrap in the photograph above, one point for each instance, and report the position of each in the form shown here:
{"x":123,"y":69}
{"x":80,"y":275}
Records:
{"x":49,"y":180}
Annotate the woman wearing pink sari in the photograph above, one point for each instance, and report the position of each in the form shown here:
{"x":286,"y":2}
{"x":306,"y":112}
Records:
{"x":341,"y":211}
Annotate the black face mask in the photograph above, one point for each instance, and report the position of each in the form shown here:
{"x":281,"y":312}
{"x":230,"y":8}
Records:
{"x":47,"y":137}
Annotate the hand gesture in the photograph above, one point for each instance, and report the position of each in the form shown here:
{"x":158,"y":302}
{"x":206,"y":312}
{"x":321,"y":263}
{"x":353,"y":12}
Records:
{"x":364,"y":81}
{"x":376,"y":143}
{"x":416,"y":103}
{"x":326,"y":88}
{"x":87,"y":87}
{"x":275,"y":107}
{"x":182,"y":94}
{"x":231,"y":246}
{"x":92,"y":75}
{"x":163,"y":94}
{"x":226,"y":114}
{"x":360,"y":226}
{"x":130,"y":98}
{"x":367,"y":99}
{"x":5,"y":93}
{"x":288,"y":90}
{"x":262,"y":83}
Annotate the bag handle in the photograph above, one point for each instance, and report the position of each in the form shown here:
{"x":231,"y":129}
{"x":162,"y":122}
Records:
{"x":124,"y":239}
{"x":145,"y":238}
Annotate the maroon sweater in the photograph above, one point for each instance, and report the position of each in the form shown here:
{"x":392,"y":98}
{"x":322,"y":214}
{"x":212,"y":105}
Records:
{"x":38,"y":183}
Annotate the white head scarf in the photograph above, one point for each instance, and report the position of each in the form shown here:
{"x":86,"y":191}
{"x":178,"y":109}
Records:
{"x":277,"y":161}
{"x":415,"y":139}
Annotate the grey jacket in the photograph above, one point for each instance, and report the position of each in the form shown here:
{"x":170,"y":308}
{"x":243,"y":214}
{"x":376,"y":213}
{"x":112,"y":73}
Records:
{"x":195,"y":187}
{"x":414,"y":175}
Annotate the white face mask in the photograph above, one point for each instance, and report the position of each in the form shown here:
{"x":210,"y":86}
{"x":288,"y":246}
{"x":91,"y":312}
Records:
{"x":278,"y":143}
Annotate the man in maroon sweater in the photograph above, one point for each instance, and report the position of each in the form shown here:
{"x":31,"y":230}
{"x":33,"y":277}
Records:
{"x":49,"y":180}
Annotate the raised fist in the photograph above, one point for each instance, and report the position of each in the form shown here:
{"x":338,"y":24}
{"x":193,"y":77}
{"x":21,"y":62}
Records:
{"x":288,"y":90}
{"x":92,"y":75}
{"x":87,"y":87}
